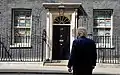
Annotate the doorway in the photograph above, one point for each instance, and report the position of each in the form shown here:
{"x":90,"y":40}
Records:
{"x":61,"y":42}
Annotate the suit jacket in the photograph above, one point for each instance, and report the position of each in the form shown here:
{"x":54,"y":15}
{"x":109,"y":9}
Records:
{"x":83,"y":53}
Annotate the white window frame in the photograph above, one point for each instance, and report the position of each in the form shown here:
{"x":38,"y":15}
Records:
{"x":13,"y":44}
{"x":104,"y":44}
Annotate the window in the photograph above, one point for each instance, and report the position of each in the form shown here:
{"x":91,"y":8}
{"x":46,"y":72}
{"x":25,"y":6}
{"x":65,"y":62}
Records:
{"x":21,"y":27}
{"x":102,"y":28}
{"x":61,"y":20}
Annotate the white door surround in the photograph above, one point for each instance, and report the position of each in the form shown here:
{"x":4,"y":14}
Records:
{"x":70,"y":11}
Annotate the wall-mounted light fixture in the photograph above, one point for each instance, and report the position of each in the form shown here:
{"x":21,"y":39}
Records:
{"x":61,"y":12}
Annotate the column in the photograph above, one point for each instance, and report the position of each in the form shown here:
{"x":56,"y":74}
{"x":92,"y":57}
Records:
{"x":72,"y":29}
{"x":50,"y":34}
{"x":47,"y":34}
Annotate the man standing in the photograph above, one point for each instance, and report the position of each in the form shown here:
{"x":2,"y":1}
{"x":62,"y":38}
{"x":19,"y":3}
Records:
{"x":83,"y":54}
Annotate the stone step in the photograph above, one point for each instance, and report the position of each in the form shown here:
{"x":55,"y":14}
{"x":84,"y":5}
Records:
{"x":56,"y":63}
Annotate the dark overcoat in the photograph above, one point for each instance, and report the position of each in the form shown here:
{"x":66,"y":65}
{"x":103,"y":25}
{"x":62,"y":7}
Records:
{"x":83,"y":56}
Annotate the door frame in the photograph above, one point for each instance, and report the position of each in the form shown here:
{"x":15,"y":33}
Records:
{"x":49,"y":31}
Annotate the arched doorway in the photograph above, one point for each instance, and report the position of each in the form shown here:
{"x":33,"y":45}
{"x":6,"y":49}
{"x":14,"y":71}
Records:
{"x":61,"y":38}
{"x":61,"y":18}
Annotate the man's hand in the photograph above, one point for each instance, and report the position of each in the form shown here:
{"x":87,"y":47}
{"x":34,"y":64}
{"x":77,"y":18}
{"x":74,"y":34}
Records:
{"x":69,"y":69}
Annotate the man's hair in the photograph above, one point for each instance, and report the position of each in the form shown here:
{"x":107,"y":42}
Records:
{"x":81,"y":31}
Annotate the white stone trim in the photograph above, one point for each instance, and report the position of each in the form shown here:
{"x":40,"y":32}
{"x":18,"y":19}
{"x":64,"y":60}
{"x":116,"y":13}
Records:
{"x":47,"y":34}
{"x":61,"y":5}
{"x":49,"y":27}
{"x":51,"y":34}
{"x":111,"y":33}
{"x":71,"y":30}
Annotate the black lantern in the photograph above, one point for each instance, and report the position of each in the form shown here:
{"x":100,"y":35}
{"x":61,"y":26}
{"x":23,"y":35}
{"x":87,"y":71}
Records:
{"x":44,"y":35}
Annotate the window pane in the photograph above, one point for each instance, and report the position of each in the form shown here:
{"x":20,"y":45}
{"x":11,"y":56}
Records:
{"x":102,"y":17}
{"x":27,"y":23}
{"x":28,"y":32}
{"x":22,"y":24}
{"x":22,"y":39}
{"x":102,"y":27}
{"x":101,"y":32}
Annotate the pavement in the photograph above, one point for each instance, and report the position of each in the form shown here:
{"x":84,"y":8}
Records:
{"x":37,"y":67}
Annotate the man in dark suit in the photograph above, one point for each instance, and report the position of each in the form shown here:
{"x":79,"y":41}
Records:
{"x":83,"y":54}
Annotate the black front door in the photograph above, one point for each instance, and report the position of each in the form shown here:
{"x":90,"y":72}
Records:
{"x":61,"y":42}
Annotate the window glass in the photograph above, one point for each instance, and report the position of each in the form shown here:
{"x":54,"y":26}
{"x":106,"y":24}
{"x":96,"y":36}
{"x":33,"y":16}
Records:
{"x":22,"y":26}
{"x":102,"y":26}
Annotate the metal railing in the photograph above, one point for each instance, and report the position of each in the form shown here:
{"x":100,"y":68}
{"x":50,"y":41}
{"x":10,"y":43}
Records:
{"x":108,"y":49}
{"x":25,"y":49}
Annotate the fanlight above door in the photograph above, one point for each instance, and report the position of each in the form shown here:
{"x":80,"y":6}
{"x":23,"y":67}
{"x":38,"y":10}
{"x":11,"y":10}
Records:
{"x":61,"y":20}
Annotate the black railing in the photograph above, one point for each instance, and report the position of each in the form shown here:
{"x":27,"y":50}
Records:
{"x":107,"y":49}
{"x":21,"y":49}
{"x":4,"y":53}
{"x":34,"y":49}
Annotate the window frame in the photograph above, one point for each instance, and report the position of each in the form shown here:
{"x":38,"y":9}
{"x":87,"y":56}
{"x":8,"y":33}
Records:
{"x":25,"y":44}
{"x":104,"y":44}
